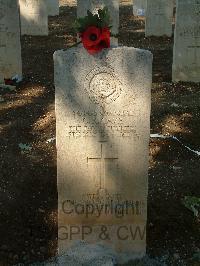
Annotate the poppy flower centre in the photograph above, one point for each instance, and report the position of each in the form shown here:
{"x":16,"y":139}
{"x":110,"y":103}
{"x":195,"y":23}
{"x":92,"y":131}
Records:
{"x":93,"y":37}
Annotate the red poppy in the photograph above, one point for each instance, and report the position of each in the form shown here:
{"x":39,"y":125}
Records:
{"x":95,"y":39}
{"x":8,"y":82}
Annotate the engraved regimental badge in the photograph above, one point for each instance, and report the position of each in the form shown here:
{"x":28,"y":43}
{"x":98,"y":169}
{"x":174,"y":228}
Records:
{"x":102,"y":85}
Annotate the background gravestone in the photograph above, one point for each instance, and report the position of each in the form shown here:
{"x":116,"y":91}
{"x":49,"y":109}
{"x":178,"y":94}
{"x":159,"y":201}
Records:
{"x":10,"y":46}
{"x":159,"y":16}
{"x":34,"y":17}
{"x":1,"y":75}
{"x":94,"y":5}
{"x":103,"y":129}
{"x":52,"y":7}
{"x":139,"y":7}
{"x":186,"y":56}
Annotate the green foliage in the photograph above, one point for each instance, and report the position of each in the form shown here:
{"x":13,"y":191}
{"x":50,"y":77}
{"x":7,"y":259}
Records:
{"x":24,"y":147}
{"x":193,"y":204}
{"x":100,"y":20}
{"x":196,"y":257}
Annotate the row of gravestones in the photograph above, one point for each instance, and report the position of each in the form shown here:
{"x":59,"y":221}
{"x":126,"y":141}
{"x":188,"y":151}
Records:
{"x":21,"y":17}
{"x":158,"y":22}
{"x":159,"y":17}
{"x":34,"y":21}
{"x":141,"y":7}
{"x":102,"y":135}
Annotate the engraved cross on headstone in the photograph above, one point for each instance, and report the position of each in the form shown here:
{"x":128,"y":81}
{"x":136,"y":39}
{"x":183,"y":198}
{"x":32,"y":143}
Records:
{"x":102,"y":159}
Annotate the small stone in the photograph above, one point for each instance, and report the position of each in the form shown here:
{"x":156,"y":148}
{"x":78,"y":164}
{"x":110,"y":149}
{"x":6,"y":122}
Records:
{"x":151,"y":225}
{"x":176,"y":256}
{"x":32,"y":251}
{"x":176,"y":168}
{"x":174,"y":105}
{"x":41,"y":210}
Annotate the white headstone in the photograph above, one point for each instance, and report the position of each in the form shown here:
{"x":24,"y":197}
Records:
{"x":186,"y":57}
{"x":34,"y":17}
{"x":10,"y":46}
{"x":103,"y":128}
{"x":94,"y":5}
{"x":159,"y":17}
{"x":52,"y":7}
{"x":139,"y":7}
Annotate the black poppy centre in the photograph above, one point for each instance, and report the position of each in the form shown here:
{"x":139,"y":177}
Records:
{"x":93,"y":37}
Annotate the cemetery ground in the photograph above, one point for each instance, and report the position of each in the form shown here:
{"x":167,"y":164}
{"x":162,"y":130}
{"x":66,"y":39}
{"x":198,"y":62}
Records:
{"x":28,"y":217}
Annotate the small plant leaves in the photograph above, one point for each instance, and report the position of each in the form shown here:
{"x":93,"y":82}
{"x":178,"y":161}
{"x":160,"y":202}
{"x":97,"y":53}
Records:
{"x":24,"y":147}
{"x":193,"y":204}
{"x":99,"y":20}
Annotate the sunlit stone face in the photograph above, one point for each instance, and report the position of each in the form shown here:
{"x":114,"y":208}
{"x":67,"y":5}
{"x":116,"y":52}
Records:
{"x":34,"y":17}
{"x":103,"y":127}
{"x":186,"y":54}
{"x":103,"y":85}
{"x":10,"y":46}
{"x":159,"y":16}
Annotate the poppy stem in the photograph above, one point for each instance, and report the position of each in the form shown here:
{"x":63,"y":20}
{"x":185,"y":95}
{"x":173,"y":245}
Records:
{"x":114,"y":35}
{"x":74,"y":45}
